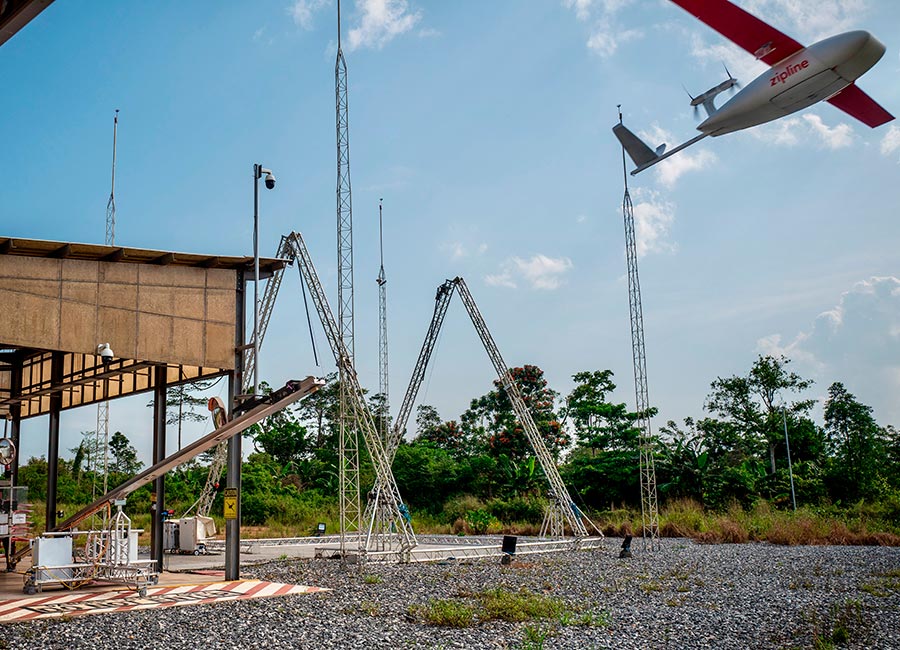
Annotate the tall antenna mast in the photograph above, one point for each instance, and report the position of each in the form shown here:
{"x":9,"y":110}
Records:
{"x":382,"y":333}
{"x":348,"y":440}
{"x":649,"y":507}
{"x":102,"y":433}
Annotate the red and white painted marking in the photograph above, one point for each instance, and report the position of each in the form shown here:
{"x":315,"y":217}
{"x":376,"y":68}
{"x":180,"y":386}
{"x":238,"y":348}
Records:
{"x":74,"y":603}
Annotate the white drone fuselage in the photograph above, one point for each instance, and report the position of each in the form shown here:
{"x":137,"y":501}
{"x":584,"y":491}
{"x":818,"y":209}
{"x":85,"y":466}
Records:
{"x":813,"y":74}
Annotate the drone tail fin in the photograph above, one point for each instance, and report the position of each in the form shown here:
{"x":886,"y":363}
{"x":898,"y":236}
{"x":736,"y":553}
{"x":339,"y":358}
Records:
{"x":637,"y":149}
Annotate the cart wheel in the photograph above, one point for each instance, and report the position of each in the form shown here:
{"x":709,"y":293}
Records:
{"x":142,"y":592}
{"x":29,"y":589}
{"x":196,"y":551}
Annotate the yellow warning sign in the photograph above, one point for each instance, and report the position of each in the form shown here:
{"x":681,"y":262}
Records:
{"x":231,"y":497}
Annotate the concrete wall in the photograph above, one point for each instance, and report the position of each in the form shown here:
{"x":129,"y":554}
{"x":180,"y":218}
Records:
{"x":174,"y":314}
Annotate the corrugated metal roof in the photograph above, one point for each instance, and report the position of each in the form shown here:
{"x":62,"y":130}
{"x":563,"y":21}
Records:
{"x":122,"y":254}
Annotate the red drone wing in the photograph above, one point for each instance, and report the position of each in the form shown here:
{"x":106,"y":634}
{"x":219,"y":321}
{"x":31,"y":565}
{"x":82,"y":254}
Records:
{"x":858,"y":104}
{"x":746,"y":30}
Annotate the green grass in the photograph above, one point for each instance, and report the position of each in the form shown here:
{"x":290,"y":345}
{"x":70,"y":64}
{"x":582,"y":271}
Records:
{"x":845,"y":621}
{"x":504,"y":605}
{"x":445,"y":613}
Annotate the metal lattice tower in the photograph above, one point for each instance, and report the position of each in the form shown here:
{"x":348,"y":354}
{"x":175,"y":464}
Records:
{"x":649,"y":507}
{"x":348,"y":440}
{"x":102,"y":432}
{"x":383,"y":427}
{"x":391,"y":531}
{"x":561,"y":510}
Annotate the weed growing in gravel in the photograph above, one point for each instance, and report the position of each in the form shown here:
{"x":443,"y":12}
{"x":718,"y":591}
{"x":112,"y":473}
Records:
{"x":586,"y":619}
{"x":883,"y":584}
{"x":534,"y":638}
{"x":503,"y":605}
{"x":445,"y":613}
{"x":845,"y":618}
{"x":498,"y":604}
{"x":370,"y":608}
{"x":372,"y":579}
{"x":651,"y":586}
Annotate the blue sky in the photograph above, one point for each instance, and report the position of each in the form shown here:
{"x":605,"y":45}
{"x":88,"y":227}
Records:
{"x":485,"y":126}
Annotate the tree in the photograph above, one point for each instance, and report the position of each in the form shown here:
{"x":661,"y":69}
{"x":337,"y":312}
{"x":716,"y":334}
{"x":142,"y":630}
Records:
{"x":320,"y":412}
{"x":181,"y":403}
{"x":378,"y":405}
{"x":448,"y":436}
{"x":125,"y":460}
{"x":427,"y":417}
{"x":600,"y":425}
{"x":281,"y":435}
{"x":709,"y":461}
{"x":754,"y":402}
{"x":855,"y":439}
{"x":491,"y":420}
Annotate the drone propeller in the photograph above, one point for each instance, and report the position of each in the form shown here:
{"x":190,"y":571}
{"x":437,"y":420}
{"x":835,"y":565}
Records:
{"x":734,"y":82}
{"x":693,"y":100}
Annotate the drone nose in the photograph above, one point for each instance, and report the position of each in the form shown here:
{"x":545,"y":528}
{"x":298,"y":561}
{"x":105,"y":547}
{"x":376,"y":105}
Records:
{"x":860,"y":51}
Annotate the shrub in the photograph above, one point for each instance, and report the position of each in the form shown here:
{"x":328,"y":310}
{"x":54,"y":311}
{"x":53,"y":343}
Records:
{"x":458,"y":507}
{"x":480,"y":520}
{"x":517,"y":509}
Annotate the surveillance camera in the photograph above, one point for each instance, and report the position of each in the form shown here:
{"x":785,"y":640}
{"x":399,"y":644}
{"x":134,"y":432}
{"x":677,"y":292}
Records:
{"x":106,"y":353}
{"x":270,"y":181}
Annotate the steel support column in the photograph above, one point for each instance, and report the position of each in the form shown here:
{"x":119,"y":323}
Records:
{"x":159,"y":452}
{"x":56,"y":372}
{"x":15,"y":415}
{"x":233,"y":463}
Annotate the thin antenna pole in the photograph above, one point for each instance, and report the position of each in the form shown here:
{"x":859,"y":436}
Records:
{"x":380,"y":234}
{"x":624,"y":169}
{"x":339,"y":24}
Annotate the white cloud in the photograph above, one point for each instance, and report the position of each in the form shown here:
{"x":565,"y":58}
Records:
{"x":891,"y":141}
{"x":671,"y":169}
{"x":741,"y":65}
{"x":782,"y":132}
{"x":457,"y":250}
{"x":653,"y":219}
{"x":539,"y":272}
{"x":502,"y":279}
{"x":606,"y":33}
{"x":856,"y":342}
{"x":809,"y":21}
{"x":582,"y":8}
{"x":381,"y":22}
{"x":836,"y":137}
{"x":428,"y":32}
{"x":808,"y":128}
{"x":606,"y":38}
{"x":302,"y":11}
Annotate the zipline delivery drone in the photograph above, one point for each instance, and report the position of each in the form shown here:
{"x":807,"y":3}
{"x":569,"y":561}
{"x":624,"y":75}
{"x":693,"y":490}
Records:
{"x":798,"y":77}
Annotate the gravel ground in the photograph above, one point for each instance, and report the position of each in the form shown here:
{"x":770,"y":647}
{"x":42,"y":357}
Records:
{"x":684,"y":596}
